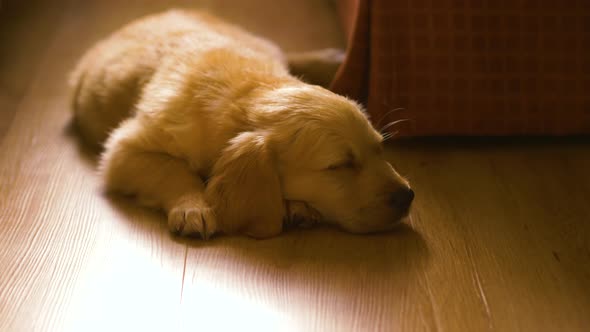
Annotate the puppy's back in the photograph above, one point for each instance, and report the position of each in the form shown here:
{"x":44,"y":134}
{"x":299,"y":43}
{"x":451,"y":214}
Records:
{"x":109,"y":79}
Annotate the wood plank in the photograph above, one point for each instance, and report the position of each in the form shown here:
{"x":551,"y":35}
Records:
{"x":69,"y":256}
{"x":25,"y":35}
{"x":513,"y":234}
{"x":319,"y":279}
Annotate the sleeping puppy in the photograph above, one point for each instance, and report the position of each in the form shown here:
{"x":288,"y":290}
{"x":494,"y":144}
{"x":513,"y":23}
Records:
{"x":203,"y":120}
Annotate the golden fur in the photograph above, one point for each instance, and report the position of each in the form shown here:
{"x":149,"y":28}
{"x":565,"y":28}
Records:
{"x":203,"y":120}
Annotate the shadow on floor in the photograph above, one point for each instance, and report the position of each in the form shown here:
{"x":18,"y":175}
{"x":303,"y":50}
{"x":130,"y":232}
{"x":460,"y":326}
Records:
{"x":88,"y":154}
{"x":402,"y":250}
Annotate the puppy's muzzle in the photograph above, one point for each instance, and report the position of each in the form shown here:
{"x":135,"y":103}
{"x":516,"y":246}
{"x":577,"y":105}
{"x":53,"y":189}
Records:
{"x":401,"y":199}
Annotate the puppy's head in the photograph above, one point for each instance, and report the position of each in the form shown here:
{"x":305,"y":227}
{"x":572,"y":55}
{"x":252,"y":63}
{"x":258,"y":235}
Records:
{"x":329,"y":155}
{"x":306,"y":144}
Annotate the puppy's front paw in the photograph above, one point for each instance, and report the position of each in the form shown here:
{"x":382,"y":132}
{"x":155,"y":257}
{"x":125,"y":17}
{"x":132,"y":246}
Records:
{"x":301,"y":214}
{"x":192,"y":217}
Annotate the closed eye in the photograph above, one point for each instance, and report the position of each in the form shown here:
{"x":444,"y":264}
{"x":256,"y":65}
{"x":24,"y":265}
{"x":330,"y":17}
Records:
{"x":348,"y":164}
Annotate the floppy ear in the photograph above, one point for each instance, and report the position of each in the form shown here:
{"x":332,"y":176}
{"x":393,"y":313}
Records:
{"x":245,"y":189}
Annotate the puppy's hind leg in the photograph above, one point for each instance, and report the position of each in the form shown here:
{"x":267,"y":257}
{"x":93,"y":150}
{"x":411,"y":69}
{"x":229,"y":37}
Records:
{"x":157,"y":179}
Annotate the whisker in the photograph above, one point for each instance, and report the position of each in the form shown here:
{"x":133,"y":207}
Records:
{"x":388,"y":136}
{"x":384,"y":116}
{"x":393,"y":123}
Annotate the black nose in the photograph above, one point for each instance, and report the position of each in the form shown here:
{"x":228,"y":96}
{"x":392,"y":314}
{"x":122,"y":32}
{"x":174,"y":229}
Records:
{"x":402,"y":198}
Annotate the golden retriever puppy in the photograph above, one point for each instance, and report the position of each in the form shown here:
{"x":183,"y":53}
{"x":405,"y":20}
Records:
{"x":203,"y":120}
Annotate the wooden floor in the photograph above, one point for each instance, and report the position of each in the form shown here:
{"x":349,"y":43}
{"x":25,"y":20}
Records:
{"x":499,"y":238}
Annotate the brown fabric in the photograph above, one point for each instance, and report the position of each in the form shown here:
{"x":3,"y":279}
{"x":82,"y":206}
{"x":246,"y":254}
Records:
{"x":352,"y":77}
{"x":470,"y":67}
